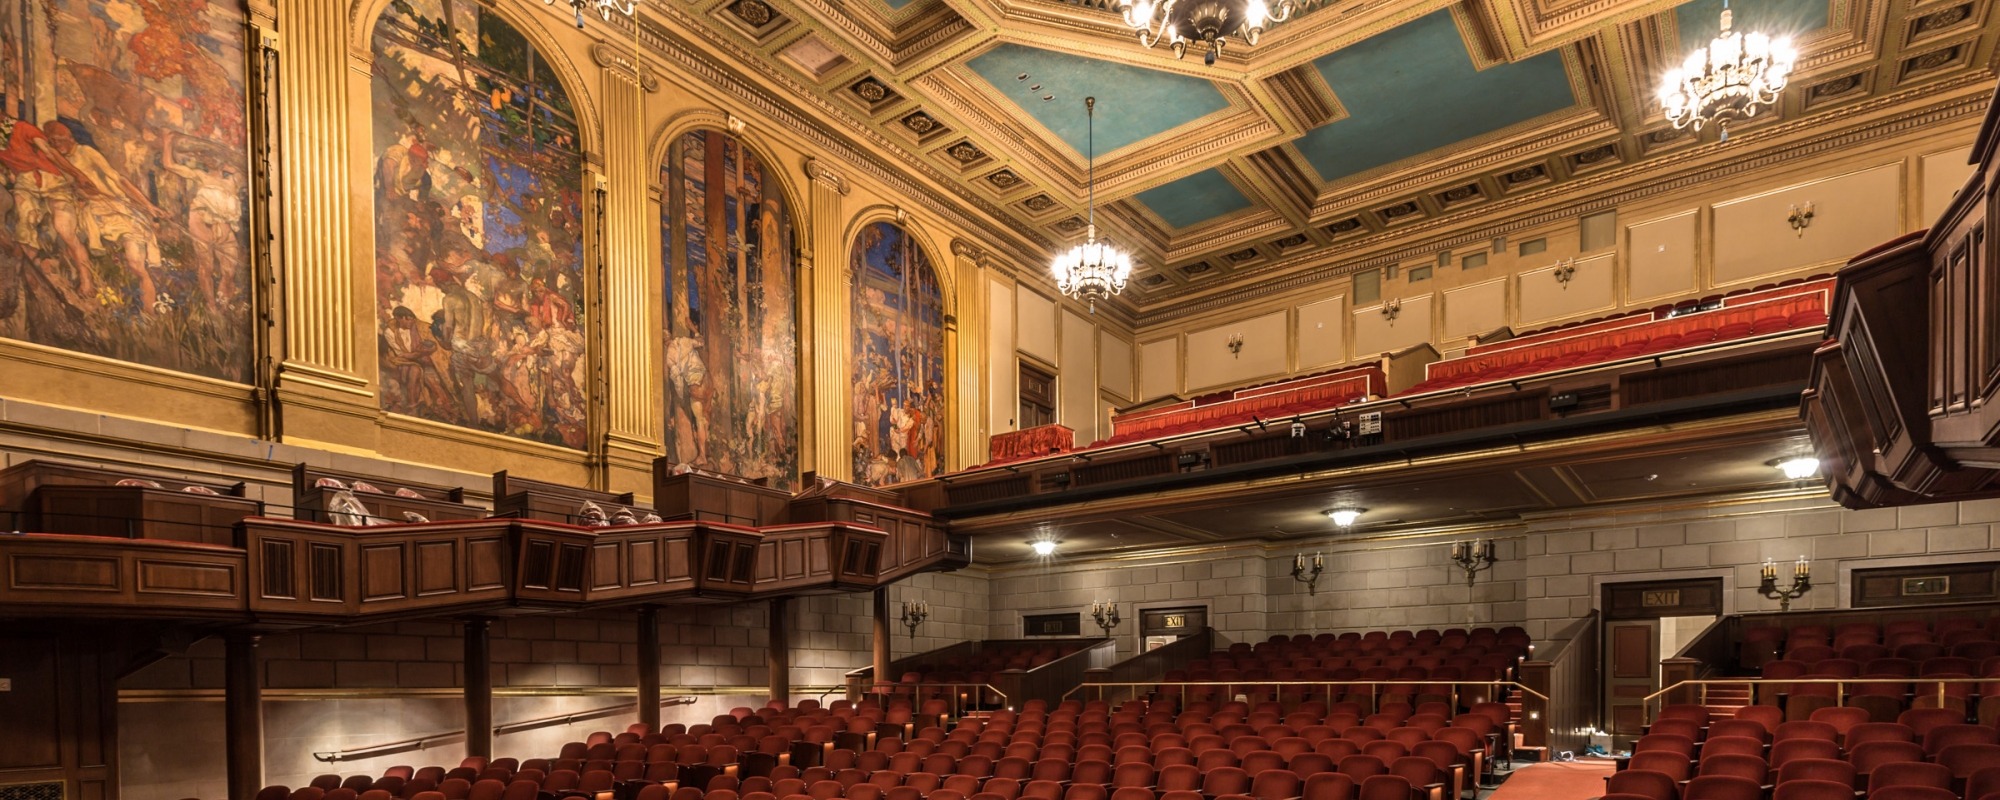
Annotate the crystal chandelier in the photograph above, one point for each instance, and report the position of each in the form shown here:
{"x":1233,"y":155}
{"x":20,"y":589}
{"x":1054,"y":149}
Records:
{"x":1729,"y":79}
{"x":1092,"y":270}
{"x":604,"y":8}
{"x":1179,"y":22}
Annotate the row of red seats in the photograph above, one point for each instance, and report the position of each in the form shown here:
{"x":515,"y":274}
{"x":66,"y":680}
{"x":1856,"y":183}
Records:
{"x":1866,"y":640}
{"x":1809,"y":760}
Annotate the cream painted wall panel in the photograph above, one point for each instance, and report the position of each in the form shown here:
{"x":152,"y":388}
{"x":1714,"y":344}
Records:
{"x":1076,"y":385}
{"x":1114,"y":364}
{"x":1943,"y":175}
{"x":1660,"y":257}
{"x":1375,"y":334}
{"x":1159,"y":368}
{"x":1544,"y":299}
{"x":1211,"y":366}
{"x":1002,"y":371}
{"x":1036,"y":326}
{"x":1475,"y":308}
{"x":1322,"y":333}
{"x":1851,"y":213}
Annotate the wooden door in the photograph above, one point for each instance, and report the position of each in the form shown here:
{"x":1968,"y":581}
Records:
{"x":1631,"y":671}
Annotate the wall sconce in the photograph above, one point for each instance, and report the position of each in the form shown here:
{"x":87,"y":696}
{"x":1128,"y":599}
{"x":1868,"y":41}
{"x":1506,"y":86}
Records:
{"x":1308,"y":575}
{"x":1801,"y":582}
{"x":1564,"y":271}
{"x":1473,"y":557}
{"x":1800,"y":219}
{"x":1235,"y":344}
{"x":914,"y":614}
{"x":1105,"y":612}
{"x":1391,"y":310}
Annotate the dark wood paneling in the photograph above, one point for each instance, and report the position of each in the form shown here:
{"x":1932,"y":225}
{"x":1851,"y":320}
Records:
{"x":1926,"y":585}
{"x":1699,"y":597}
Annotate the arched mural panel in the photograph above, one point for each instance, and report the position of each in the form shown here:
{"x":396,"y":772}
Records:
{"x":478,"y":230}
{"x":123,"y":233}
{"x":899,"y":379}
{"x":731,"y":313}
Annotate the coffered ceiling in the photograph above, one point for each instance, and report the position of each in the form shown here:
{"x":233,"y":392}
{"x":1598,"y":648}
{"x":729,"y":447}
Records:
{"x":1352,"y":119}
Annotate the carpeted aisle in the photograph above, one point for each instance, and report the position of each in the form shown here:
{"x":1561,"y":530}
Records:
{"x":1570,"y":780}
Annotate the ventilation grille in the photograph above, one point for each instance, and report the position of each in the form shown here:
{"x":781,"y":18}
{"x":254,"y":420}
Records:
{"x":52,"y":790}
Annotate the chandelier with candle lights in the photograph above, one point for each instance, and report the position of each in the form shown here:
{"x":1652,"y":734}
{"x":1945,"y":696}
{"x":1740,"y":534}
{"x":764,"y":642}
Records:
{"x":1732,"y":78}
{"x":1208,"y":23}
{"x":1095,"y":269}
{"x":604,"y":8}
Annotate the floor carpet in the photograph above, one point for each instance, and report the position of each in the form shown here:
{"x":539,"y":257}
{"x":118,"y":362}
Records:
{"x":1571,"y":780}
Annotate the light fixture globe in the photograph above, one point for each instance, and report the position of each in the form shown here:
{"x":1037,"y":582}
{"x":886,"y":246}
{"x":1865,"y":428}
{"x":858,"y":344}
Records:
{"x":1045,"y":547}
{"x":1209,"y":23}
{"x":1732,"y":78}
{"x":1345,"y":517}
{"x":1094,"y":270}
{"x":1797,"y":468}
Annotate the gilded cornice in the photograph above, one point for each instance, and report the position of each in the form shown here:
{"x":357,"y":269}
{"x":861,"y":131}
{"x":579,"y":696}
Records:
{"x":1965,"y":98}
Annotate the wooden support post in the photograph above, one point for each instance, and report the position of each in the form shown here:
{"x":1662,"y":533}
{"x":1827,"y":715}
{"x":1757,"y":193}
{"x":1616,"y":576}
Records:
{"x":478,"y":689}
{"x":649,"y":668}
{"x":780,"y":661}
{"x":243,"y":715}
{"x":883,"y":679}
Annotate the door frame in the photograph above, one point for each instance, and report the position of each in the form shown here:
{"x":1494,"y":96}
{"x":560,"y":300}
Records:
{"x":1601,"y":588}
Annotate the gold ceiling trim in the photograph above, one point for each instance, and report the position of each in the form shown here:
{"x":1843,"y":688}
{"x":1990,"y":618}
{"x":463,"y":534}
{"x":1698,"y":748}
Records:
{"x":1640,"y":180}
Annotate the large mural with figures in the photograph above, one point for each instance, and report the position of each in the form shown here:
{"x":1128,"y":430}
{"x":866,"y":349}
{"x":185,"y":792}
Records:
{"x":731,"y":314}
{"x":478,"y":234}
{"x":898,"y":320}
{"x":122,"y":230}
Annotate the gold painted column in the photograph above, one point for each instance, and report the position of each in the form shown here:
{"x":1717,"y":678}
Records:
{"x":966,"y":349}
{"x":831,"y":453}
{"x":626,"y":284}
{"x":323,"y":163}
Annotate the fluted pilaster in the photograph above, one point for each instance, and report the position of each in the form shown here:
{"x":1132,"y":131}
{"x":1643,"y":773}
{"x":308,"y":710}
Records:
{"x":628,"y":288}
{"x":315,"y":213}
{"x":832,"y":453}
{"x":966,"y":347}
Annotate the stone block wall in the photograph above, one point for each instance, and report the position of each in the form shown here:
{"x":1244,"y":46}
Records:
{"x":1397,"y":583}
{"x":1231,"y":582}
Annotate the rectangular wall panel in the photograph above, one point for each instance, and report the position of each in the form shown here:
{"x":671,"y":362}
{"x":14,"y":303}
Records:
{"x":1211,"y":365}
{"x":1545,"y":299}
{"x":1375,"y":333}
{"x":1473,"y":309}
{"x":1036,"y":326}
{"x":1661,"y":257}
{"x":1322,"y":333}
{"x":1114,"y":364}
{"x":1002,"y":371}
{"x":1943,"y":174}
{"x":1159,"y":368}
{"x":1851,"y":213}
{"x":1076,"y":385}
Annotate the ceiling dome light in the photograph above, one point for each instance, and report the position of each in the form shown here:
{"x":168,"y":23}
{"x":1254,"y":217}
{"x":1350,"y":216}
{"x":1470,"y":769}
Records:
{"x":1045,"y":547}
{"x":1731,"y":78}
{"x":1797,"y":468}
{"x":1345,"y":517}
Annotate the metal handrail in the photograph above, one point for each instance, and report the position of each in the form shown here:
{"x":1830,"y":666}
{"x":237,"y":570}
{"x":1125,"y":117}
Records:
{"x":958,"y":699}
{"x":448,"y":737}
{"x":1839,"y":691}
{"x":1326,"y":684}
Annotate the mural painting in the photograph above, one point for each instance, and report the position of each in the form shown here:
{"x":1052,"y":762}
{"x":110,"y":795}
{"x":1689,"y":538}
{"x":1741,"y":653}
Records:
{"x":478,"y":234}
{"x":898,"y":319}
{"x":122,"y":230}
{"x":731,"y":314}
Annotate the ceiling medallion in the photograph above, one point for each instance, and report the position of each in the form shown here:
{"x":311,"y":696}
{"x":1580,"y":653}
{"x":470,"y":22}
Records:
{"x":1731,"y":78}
{"x":1208,"y":22}
{"x":604,"y":8}
{"x":1093,"y":270}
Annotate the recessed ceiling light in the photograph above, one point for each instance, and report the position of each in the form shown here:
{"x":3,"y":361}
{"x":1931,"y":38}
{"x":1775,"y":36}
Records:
{"x":1797,"y":468}
{"x":1045,"y":547}
{"x":1345,"y":517}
